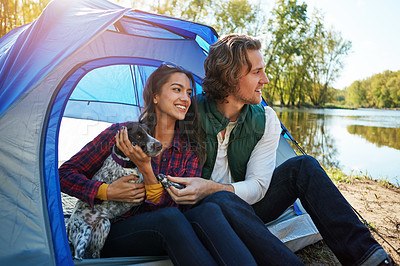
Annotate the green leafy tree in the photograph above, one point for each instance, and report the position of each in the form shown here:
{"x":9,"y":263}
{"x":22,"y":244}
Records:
{"x":235,"y":16}
{"x":19,"y":12}
{"x":356,"y":94}
{"x":381,"y":90}
{"x":328,"y":55}
{"x":287,"y":29}
{"x":226,"y":16}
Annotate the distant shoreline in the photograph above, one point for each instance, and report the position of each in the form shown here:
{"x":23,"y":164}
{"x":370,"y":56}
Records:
{"x":332,"y":106}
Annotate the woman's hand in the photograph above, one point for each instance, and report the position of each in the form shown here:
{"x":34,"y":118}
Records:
{"x":134,"y":153}
{"x":125,"y":191}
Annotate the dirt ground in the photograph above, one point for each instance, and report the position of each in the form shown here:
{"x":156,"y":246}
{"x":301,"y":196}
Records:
{"x":379,"y":205}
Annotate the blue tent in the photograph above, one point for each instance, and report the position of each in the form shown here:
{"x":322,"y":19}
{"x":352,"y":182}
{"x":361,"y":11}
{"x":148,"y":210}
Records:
{"x":86,"y":59}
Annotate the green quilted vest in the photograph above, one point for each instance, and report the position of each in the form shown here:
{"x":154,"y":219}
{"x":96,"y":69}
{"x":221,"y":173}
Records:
{"x":244,"y":137}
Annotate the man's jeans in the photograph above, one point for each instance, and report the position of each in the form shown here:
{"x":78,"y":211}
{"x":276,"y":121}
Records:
{"x":303,"y":177}
{"x":239,"y":235}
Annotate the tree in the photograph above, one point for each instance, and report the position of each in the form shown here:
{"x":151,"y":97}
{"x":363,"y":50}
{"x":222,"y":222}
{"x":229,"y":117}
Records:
{"x":19,"y":12}
{"x":356,"y":94}
{"x":380,"y":90}
{"x":226,"y":16}
{"x":326,"y":62}
{"x":235,"y":16}
{"x":287,"y":29}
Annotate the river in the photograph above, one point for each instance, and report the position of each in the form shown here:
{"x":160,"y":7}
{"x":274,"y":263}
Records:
{"x":363,"y":141}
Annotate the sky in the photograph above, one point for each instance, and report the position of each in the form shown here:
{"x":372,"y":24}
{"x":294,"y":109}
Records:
{"x":373,"y":27}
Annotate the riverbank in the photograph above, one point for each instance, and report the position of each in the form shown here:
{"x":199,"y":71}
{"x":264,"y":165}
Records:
{"x":378,"y":203}
{"x":331,"y":106}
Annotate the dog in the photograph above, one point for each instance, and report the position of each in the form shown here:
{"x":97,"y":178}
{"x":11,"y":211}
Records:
{"x":88,"y":227}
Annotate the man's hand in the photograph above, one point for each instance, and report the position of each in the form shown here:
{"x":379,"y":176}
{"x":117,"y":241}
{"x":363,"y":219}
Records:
{"x":125,"y":191}
{"x":196,"y":189}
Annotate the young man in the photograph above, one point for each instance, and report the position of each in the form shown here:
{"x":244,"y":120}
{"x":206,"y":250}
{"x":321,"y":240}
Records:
{"x":241,"y":141}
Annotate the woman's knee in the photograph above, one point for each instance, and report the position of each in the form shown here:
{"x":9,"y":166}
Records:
{"x":170,"y":217}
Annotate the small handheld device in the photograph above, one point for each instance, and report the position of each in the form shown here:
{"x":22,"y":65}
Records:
{"x":167,"y":183}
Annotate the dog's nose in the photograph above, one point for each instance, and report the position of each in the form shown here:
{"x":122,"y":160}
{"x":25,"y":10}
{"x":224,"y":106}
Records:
{"x":157,"y":146}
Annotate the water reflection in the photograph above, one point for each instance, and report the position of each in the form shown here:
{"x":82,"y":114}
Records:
{"x":310,"y":131}
{"x":366,"y":140}
{"x":381,"y":136}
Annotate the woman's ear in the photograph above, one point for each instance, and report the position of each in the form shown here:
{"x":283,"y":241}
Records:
{"x":155,"y":98}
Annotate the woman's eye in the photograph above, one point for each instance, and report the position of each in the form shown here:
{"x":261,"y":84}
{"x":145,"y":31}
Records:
{"x":177,"y":89}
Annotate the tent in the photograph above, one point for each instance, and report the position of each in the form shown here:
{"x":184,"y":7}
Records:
{"x":85,"y":59}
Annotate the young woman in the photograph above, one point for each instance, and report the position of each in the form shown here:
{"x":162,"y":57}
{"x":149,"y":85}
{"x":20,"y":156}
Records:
{"x":159,"y":226}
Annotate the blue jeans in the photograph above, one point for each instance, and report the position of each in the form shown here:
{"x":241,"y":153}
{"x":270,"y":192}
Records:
{"x":157,"y":233}
{"x":303,"y":177}
{"x":207,"y":239}
{"x":249,"y":240}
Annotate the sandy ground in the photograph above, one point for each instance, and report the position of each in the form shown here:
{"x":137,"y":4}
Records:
{"x":379,"y":205}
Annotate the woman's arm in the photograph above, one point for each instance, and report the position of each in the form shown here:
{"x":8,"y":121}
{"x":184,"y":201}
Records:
{"x":76,"y":173}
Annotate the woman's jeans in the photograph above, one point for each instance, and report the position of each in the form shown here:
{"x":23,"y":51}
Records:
{"x":157,"y":233}
{"x":302,"y":177}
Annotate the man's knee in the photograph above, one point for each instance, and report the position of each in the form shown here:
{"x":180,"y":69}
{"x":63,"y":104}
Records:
{"x":309,"y":160}
{"x":221,"y":196}
{"x":297,"y":164}
{"x":301,"y":160}
{"x":204,"y":213}
{"x":207,"y":209}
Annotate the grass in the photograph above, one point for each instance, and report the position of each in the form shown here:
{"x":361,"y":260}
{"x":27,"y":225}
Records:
{"x":317,"y":254}
{"x":337,"y":175}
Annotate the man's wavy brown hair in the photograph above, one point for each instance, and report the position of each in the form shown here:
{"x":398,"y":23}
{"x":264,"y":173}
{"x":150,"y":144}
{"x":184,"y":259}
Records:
{"x":224,"y":64}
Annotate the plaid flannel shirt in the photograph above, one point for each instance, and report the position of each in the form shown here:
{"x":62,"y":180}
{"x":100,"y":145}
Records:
{"x":76,"y":174}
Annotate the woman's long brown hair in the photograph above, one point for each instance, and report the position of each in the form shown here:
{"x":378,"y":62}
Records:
{"x":189,"y":128}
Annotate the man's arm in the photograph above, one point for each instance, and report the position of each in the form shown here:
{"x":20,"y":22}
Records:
{"x":262,"y":162}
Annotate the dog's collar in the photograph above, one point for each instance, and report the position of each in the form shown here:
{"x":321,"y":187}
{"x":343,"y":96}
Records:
{"x":124,"y":162}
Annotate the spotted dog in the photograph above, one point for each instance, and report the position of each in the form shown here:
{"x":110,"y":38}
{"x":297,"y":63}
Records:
{"x":88,"y":227}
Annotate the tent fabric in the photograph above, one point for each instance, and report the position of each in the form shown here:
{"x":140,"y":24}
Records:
{"x":38,"y":48}
{"x":84,"y":59}
{"x":295,"y":229}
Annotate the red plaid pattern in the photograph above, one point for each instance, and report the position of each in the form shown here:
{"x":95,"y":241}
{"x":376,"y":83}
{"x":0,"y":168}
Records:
{"x":76,"y":173}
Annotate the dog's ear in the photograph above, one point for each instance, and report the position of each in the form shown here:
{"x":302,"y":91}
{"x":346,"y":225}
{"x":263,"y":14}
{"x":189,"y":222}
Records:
{"x":146,"y":128}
